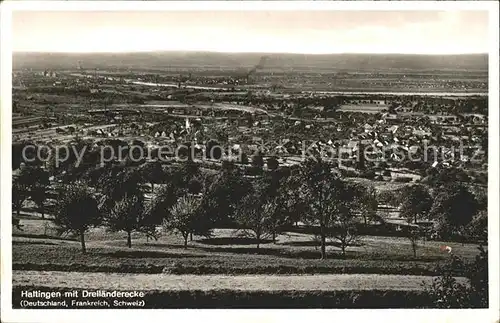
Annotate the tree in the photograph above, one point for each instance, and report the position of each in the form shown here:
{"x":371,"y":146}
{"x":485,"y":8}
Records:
{"x":188,"y":171}
{"x":345,"y":231}
{"x":481,"y":195}
{"x":294,"y":204}
{"x":273,"y":189}
{"x":69,"y":165}
{"x":414,"y":236}
{"x":243,"y":158}
{"x":253,"y":215}
{"x":416,"y":202}
{"x":446,"y":176}
{"x":149,"y":222}
{"x":119,"y":182}
{"x":126,"y":215}
{"x":39,"y":182}
{"x":153,"y":173}
{"x":222,"y":196}
{"x":389,"y":197}
{"x":166,"y":197}
{"x":195,"y":186}
{"x":32,"y":181}
{"x":330,"y":200}
{"x":272,"y":163}
{"x":39,"y":195}
{"x":213,"y":150}
{"x":361,"y":163}
{"x":258,"y":160}
{"x":19,"y":194}
{"x":477,"y":229}
{"x":185,"y":218}
{"x":345,"y":228}
{"x":30,"y":155}
{"x":454,"y":207}
{"x":76,"y":211}
{"x":366,"y":202}
{"x":263,"y":210}
{"x":158,"y":209}
{"x":477,"y":274}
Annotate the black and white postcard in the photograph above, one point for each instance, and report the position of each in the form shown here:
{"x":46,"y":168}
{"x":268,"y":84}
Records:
{"x":249,"y":155}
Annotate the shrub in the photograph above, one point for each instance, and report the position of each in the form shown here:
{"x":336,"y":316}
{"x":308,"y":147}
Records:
{"x":446,"y":292}
{"x":403,"y":179}
{"x":369,"y":174}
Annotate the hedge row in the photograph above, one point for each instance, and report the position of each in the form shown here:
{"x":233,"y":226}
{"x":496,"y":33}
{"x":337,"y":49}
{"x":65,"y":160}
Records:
{"x":227,"y":270}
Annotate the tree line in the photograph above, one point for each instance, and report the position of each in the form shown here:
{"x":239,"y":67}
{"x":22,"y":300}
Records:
{"x":151,"y":198}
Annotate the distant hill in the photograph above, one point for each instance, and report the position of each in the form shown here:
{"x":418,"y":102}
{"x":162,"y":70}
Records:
{"x":284,"y":62}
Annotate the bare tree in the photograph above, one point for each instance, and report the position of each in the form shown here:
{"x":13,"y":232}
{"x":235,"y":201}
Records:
{"x":185,"y":218}
{"x":345,"y":231}
{"x":254,"y":215}
{"x":126,"y":215}
{"x":414,"y":235}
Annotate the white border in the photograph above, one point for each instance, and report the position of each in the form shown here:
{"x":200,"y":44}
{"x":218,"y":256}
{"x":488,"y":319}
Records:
{"x":8,"y":315}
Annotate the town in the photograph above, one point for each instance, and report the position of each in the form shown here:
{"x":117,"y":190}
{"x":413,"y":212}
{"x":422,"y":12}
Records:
{"x":250,"y":171}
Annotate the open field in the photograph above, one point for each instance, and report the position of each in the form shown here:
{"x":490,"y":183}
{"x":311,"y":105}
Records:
{"x":114,"y":281}
{"x":64,"y":257}
{"x":366,"y":108}
{"x":427,"y":64}
{"x":227,"y":252}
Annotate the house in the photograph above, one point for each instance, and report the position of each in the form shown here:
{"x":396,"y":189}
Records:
{"x":393,"y":129}
{"x":401,"y":109}
{"x":421,"y":132}
{"x":352,"y":145}
{"x":399,"y":225}
{"x":280,"y":149}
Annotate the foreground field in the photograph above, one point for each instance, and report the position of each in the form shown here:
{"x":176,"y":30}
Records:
{"x":227,"y":252}
{"x":228,"y":270}
{"x":114,"y":281}
{"x":68,"y":257}
{"x":232,"y":242}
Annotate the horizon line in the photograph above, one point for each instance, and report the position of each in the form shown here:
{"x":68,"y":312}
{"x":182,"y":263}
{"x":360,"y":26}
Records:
{"x":243,"y":52}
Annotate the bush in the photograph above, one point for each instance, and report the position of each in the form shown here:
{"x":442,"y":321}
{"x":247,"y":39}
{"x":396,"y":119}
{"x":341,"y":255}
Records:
{"x":348,"y":173}
{"x":446,"y":292}
{"x":369,"y":174}
{"x":403,"y":179}
{"x":386,"y":172}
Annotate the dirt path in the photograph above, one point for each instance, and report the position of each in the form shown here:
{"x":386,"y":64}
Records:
{"x":115,"y":281}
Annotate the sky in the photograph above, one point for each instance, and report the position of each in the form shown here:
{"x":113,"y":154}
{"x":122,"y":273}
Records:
{"x":315,"y":32}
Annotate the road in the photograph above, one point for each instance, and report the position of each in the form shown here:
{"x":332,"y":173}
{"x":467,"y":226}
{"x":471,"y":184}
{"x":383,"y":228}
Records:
{"x":118,"y":281}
